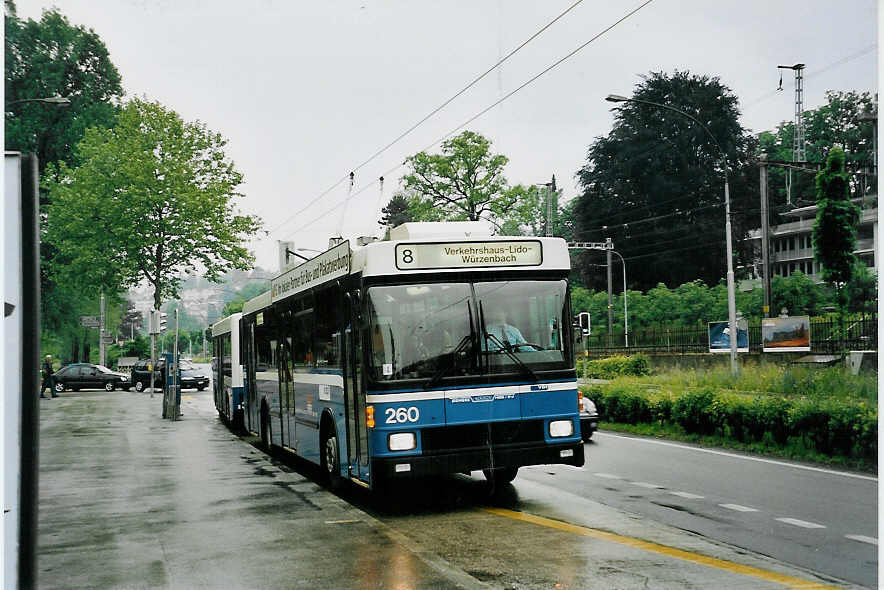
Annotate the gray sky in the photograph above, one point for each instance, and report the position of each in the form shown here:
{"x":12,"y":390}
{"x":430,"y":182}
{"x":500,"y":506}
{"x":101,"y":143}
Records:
{"x":307,"y":91}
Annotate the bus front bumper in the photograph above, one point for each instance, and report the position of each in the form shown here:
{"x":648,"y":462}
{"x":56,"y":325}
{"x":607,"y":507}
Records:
{"x":462,"y":461}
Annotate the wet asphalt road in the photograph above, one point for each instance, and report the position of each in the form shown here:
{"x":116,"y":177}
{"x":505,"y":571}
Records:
{"x":131,"y":501}
{"x":821,"y":519}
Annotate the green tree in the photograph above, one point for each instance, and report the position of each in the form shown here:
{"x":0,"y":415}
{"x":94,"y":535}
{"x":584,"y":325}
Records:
{"x":46,"y":58}
{"x":834,"y":231}
{"x":153,"y":200}
{"x":396,"y":212}
{"x":838,"y":122}
{"x":655,"y":183}
{"x":862,"y":290}
{"x":51,"y":57}
{"x":463,"y":183}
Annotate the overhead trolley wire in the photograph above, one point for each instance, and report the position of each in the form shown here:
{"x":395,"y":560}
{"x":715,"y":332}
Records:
{"x":434,"y":111}
{"x":496,"y":103}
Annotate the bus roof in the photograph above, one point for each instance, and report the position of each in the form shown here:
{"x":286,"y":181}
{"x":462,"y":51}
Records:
{"x":426,"y":248}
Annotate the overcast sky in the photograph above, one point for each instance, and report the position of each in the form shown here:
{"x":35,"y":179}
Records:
{"x":307,"y":91}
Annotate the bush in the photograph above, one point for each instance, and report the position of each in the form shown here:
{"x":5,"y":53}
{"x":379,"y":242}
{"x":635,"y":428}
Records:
{"x":698,"y":412}
{"x":618,"y":366}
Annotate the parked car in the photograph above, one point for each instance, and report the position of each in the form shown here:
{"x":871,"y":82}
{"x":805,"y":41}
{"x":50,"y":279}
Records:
{"x":78,"y":376}
{"x":191,"y":377}
{"x":589,"y":418}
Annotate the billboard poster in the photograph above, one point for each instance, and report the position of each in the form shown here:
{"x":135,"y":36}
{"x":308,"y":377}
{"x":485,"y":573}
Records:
{"x":786,"y":334}
{"x":719,"y":336}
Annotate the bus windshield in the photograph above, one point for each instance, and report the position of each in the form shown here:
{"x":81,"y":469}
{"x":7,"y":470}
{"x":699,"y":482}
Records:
{"x":427,"y":331}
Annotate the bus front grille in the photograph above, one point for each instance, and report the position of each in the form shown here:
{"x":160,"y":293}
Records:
{"x":471,"y":436}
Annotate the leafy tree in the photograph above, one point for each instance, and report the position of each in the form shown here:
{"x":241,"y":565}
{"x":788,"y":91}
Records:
{"x":463,"y":183}
{"x":838,"y":122}
{"x":153,"y":200}
{"x":834,"y":231}
{"x":799,"y":294}
{"x":51,"y":57}
{"x":46,"y":58}
{"x":655,"y":183}
{"x":396,"y":212}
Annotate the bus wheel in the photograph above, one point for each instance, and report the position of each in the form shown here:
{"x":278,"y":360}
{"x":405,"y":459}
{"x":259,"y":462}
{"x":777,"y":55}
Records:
{"x":139,"y":386}
{"x":501,"y":475}
{"x":331,"y":462}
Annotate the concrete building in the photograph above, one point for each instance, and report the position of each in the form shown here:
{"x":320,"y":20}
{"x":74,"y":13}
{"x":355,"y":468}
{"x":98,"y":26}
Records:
{"x":791,"y":248}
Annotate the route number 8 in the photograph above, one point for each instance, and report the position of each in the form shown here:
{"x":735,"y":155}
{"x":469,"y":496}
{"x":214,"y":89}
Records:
{"x":407,"y":257}
{"x":401,"y":415}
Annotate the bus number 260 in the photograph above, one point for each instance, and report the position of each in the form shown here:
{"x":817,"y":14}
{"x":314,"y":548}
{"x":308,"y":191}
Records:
{"x":398,"y":415}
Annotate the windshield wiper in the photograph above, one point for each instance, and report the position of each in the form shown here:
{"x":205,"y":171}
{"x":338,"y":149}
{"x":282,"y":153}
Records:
{"x":505,"y":348}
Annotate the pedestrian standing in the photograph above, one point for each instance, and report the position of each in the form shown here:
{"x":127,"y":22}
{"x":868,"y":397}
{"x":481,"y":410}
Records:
{"x":48,"y":380}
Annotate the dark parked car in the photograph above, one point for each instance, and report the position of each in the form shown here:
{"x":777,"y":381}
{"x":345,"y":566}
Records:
{"x":88,"y":376}
{"x":191,"y":377}
{"x":589,"y":418}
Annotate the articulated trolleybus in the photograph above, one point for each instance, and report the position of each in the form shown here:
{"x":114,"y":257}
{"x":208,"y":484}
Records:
{"x":441,"y":350}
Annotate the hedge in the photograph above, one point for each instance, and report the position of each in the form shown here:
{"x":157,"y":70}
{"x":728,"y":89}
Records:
{"x":828,"y":426}
{"x":616,"y":366}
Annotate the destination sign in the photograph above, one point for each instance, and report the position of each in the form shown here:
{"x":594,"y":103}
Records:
{"x":329,"y":265}
{"x":468,"y":254}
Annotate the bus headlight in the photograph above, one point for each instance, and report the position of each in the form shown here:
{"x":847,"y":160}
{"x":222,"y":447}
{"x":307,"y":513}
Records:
{"x":401,"y":441}
{"x":561,"y":428}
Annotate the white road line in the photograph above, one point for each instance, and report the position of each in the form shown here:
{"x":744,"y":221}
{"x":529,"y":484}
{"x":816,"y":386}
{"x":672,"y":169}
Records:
{"x":650,"y":486}
{"x":735,"y":456}
{"x":738,"y":508}
{"x":688,"y":495}
{"x":607,"y":475}
{"x":801,"y":523}
{"x":862,"y":539}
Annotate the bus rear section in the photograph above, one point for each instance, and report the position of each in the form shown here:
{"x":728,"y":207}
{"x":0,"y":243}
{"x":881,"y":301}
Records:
{"x":227,"y":370}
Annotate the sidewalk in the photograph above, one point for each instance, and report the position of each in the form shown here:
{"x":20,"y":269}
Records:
{"x":128,"y":500}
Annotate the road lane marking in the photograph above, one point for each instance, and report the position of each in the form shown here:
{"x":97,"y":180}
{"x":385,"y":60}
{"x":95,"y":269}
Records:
{"x":862,"y":539}
{"x":801,"y":523}
{"x":698,"y":558}
{"x":735,"y":456}
{"x":607,"y":475}
{"x":688,"y":495}
{"x":738,"y":508}
{"x":643,"y":484}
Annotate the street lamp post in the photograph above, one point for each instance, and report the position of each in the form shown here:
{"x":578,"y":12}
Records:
{"x":731,"y":296}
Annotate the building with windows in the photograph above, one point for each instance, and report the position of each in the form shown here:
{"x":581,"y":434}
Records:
{"x":791,"y":249}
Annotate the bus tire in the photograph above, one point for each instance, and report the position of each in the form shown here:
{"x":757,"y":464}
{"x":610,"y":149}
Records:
{"x":501,"y":475}
{"x":331,"y":460}
{"x":139,"y":386}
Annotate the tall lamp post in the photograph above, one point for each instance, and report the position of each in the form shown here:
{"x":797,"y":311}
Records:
{"x":731,"y":296}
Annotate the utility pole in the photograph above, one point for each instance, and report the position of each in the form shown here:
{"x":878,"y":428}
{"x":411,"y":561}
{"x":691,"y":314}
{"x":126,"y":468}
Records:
{"x":765,"y":236}
{"x":799,"y":152}
{"x":610,"y":294}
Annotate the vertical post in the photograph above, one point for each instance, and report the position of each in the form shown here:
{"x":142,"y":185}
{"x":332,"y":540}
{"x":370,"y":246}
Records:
{"x":610,"y":300}
{"x":176,"y":385}
{"x":731,"y":296}
{"x":102,"y":348}
{"x":765,"y":236}
{"x":549,"y":210}
{"x":153,"y":322}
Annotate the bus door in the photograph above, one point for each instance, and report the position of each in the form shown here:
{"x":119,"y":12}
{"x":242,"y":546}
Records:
{"x":354,"y":394}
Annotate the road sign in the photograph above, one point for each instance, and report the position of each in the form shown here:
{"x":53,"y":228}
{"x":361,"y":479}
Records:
{"x":90,"y":321}
{"x":108,"y":339}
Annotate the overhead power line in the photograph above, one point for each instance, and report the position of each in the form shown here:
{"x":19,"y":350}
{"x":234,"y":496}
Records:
{"x":436,"y":110}
{"x":501,"y":100}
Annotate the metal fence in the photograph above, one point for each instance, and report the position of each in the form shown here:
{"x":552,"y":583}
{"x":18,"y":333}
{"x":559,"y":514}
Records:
{"x":825,"y":338}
